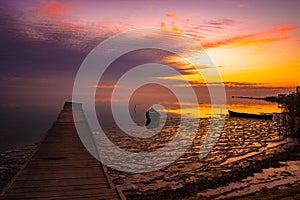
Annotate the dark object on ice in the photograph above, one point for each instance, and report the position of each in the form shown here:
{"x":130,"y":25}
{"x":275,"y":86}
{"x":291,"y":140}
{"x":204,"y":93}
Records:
{"x":152,"y":117}
{"x":249,"y":115}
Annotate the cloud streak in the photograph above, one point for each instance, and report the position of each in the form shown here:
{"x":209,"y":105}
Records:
{"x":272,"y":35}
{"x":107,"y":86}
{"x":232,"y":84}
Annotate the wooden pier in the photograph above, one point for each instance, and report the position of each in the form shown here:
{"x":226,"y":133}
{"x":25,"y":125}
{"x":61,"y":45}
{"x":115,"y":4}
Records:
{"x":61,"y":167}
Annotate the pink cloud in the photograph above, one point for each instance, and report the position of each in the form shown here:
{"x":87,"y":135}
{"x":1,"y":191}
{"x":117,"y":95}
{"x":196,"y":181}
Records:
{"x":55,"y":9}
{"x":242,"y":5}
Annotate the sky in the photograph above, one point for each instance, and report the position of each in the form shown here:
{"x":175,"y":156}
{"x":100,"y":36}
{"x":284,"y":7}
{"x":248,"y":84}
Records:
{"x":254,"y":44}
{"x":253,"y":41}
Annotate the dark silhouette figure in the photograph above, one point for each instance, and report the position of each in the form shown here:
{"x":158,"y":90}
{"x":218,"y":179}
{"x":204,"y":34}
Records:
{"x":153,"y":118}
{"x":148,"y":121}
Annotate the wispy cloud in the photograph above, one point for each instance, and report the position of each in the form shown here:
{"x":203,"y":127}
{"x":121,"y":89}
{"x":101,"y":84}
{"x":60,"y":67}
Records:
{"x":221,"y":22}
{"x":271,"y":35}
{"x":208,"y":28}
{"x":182,"y":65}
{"x":219,"y":32}
{"x":107,"y":86}
{"x":231,"y":84}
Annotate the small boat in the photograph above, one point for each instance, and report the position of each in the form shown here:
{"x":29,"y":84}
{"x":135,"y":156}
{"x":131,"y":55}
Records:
{"x":250,"y":115}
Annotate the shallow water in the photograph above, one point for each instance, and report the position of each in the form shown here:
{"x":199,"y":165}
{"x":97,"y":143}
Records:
{"x":239,"y":141}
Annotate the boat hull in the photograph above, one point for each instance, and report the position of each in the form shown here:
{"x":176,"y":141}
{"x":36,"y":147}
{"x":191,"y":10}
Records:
{"x":249,"y":115}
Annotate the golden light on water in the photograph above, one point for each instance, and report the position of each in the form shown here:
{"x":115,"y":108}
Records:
{"x":206,"y":110}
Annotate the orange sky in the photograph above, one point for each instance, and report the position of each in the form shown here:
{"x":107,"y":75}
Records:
{"x":253,"y":41}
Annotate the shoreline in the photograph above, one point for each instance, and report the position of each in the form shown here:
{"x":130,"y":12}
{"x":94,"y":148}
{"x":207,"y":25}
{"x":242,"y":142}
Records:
{"x":287,"y":153}
{"x":223,"y":171}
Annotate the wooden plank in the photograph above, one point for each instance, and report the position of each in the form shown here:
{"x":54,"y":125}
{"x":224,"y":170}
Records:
{"x":60,"y":176}
{"x":61,"y":196}
{"x":61,"y":167}
{"x":56,"y":188}
{"x":90,"y":197}
{"x":70,"y":193}
{"x":82,"y":170}
{"x":56,"y":183}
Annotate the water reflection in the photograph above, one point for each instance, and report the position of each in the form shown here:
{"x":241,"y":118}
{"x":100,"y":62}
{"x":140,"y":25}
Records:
{"x":207,"y":110}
